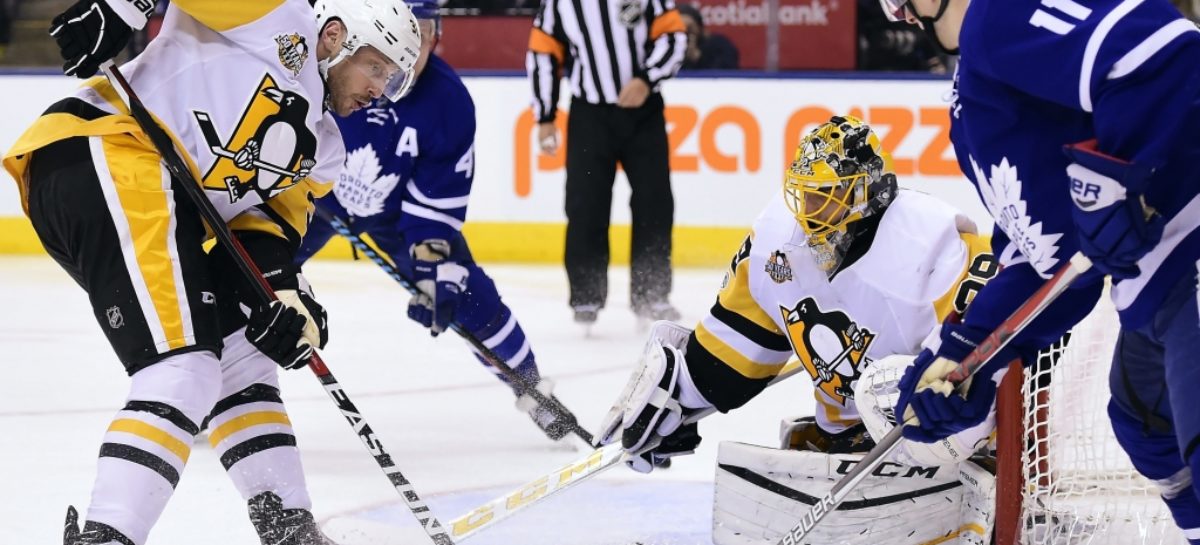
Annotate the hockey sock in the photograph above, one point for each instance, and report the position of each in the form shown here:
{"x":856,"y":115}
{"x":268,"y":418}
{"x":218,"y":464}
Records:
{"x":1156,"y":455}
{"x":148,"y":443}
{"x":249,"y":429}
{"x":504,"y":336}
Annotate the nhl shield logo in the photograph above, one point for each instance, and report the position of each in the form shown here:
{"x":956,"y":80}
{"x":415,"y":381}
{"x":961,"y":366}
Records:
{"x":778,"y":267}
{"x":115,"y":319}
{"x":293,"y":51}
{"x":630,"y":13}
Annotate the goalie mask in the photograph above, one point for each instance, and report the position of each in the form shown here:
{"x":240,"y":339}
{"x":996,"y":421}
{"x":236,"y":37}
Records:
{"x":385,"y":25}
{"x":839,"y":175}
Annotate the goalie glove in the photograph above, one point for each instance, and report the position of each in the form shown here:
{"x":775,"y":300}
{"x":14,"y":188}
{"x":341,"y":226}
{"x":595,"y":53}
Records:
{"x":648,"y":416}
{"x":93,"y":31}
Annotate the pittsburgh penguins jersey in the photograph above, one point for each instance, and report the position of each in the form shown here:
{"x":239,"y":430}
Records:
{"x":410,"y":164}
{"x":905,"y":271}
{"x":1035,"y":76}
{"x":236,"y":85}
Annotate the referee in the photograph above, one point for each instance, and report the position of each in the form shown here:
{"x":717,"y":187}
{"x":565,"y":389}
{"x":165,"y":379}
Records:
{"x":617,"y":52}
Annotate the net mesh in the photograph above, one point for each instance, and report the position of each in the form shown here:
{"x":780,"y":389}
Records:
{"x":1080,"y":487}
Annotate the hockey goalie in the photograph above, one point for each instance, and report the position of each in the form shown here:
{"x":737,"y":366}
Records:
{"x":850,"y":276}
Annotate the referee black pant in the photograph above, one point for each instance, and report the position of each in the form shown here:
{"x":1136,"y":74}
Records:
{"x":598,"y":138}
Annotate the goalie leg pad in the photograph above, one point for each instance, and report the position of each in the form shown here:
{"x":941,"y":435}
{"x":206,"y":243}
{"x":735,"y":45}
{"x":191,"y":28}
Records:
{"x":762,"y":492}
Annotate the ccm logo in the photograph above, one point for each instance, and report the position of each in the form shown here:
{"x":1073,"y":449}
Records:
{"x":889,"y":469}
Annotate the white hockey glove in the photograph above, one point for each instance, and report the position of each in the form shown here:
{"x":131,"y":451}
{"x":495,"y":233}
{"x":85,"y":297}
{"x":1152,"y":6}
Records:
{"x":875,"y":396}
{"x":648,"y":415}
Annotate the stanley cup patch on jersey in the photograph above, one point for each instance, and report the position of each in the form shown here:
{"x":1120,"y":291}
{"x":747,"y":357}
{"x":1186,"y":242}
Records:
{"x":829,"y":344}
{"x":293,"y":52}
{"x":270,"y":150}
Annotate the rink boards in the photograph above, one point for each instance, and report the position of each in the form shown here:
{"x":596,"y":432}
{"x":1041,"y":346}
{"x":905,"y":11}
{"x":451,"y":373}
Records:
{"x":730,"y":139}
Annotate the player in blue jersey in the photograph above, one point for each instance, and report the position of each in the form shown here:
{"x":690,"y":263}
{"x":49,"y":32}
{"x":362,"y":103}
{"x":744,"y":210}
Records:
{"x":407,"y":179}
{"x":1078,"y":125}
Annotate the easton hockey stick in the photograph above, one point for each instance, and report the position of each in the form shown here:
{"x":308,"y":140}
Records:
{"x":179,"y":170}
{"x":982,"y":353}
{"x":523,"y":385}
{"x":567,"y":476}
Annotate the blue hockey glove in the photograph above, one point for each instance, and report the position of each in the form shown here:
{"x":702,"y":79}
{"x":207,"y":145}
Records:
{"x":440,"y":283}
{"x":940,"y":410}
{"x":93,"y":31}
{"x":1115,"y":226}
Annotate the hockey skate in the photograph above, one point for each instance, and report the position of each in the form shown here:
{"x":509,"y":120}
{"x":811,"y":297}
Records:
{"x":278,"y":526}
{"x":554,"y":425}
{"x":586,"y":315}
{"x":93,"y":533}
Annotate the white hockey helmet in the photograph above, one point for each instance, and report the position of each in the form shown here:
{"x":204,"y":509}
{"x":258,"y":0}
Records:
{"x":386,"y":25}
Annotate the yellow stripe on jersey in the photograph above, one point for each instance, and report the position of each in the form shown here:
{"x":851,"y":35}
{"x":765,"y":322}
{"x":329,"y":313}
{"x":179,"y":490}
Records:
{"x":222,"y":15}
{"x":139,"y":180}
{"x":152,"y":434}
{"x":980,"y":266}
{"x":736,"y":297}
{"x":294,"y":206}
{"x":829,"y":413}
{"x":244,"y":421}
{"x":734,"y":359}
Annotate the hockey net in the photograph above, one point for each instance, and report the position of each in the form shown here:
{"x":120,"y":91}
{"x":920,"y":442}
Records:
{"x":1062,"y":477}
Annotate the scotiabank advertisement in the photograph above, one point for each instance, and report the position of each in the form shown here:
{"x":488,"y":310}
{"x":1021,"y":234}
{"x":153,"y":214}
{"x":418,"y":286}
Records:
{"x":730,"y":140}
{"x":813,"y":34}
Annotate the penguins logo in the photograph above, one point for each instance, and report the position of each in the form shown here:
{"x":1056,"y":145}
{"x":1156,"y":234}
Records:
{"x":778,"y":267}
{"x":293,"y":52}
{"x":271,"y":149}
{"x":830,"y":345}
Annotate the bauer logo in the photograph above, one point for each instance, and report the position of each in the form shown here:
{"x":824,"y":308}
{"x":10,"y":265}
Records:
{"x":1091,"y":190}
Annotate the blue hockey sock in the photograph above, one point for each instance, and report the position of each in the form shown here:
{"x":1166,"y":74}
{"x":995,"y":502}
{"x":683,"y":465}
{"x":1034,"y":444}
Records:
{"x":1155,"y":454}
{"x":504,"y":336}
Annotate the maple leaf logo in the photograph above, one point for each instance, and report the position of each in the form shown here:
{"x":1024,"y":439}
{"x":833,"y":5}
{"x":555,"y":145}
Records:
{"x":360,"y":189}
{"x":1001,"y":193}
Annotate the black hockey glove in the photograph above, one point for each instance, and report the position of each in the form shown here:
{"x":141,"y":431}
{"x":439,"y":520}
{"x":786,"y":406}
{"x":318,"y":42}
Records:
{"x":680,"y":443}
{"x":277,"y":330}
{"x":93,"y":31}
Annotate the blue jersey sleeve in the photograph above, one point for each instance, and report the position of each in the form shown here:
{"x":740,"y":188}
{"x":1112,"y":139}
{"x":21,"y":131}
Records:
{"x":436,"y":195}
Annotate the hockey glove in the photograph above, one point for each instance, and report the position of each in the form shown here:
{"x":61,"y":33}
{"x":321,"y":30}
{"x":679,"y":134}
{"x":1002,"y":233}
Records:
{"x":93,"y":31}
{"x":1115,"y":226}
{"x":440,"y":285}
{"x":648,"y":416}
{"x":939,"y":409}
{"x":286,"y":330}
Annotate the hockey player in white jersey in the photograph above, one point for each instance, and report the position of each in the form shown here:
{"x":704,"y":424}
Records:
{"x":245,"y":90}
{"x":848,"y":275}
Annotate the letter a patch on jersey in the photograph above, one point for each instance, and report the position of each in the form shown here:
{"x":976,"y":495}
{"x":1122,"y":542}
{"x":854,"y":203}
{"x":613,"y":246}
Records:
{"x":270,"y":150}
{"x":829,"y":344}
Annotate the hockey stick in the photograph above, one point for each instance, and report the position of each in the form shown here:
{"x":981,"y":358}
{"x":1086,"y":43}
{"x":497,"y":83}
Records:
{"x":179,"y":171}
{"x":982,"y":353}
{"x":523,"y":385}
{"x":566,"y":477}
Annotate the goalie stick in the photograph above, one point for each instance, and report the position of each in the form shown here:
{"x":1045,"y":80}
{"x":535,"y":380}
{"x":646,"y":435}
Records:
{"x":567,"y":476}
{"x":523,"y":385}
{"x":982,"y":353}
{"x":180,"y":171}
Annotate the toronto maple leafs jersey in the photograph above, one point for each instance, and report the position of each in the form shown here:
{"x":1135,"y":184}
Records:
{"x":236,"y":86}
{"x":1035,"y":76}
{"x":905,"y":271}
{"x":410,"y":164}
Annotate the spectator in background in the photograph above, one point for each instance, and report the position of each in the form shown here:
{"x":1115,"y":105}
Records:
{"x":705,"y":50}
{"x":8,"y":12}
{"x":886,"y":45}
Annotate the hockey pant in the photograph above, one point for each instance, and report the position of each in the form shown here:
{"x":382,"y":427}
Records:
{"x":106,"y":210}
{"x":1155,"y":412}
{"x":482,"y":311}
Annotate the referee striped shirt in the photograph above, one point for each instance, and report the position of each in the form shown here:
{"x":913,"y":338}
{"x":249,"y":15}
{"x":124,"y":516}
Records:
{"x":609,"y":43}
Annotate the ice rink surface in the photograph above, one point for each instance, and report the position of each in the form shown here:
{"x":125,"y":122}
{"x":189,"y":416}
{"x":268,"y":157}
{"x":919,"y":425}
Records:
{"x":449,"y":425}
